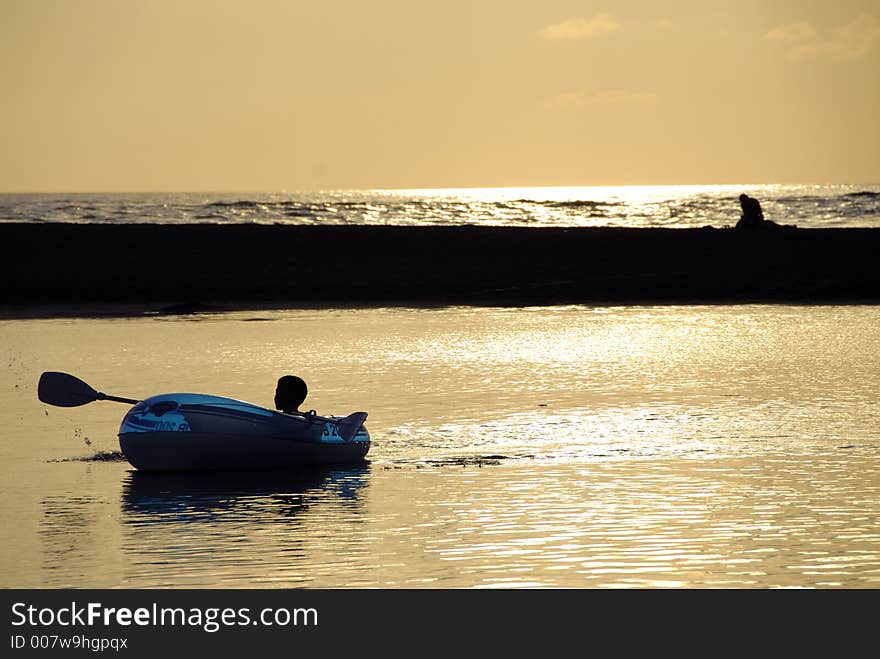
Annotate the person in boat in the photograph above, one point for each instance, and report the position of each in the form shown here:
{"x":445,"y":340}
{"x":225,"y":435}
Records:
{"x":290,"y":393}
{"x":752,"y":215}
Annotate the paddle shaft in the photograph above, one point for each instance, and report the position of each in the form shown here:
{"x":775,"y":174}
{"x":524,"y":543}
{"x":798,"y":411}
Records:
{"x":118,"y":399}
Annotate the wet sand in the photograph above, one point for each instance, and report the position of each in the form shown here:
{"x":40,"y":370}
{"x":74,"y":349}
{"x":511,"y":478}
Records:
{"x":183,"y":268}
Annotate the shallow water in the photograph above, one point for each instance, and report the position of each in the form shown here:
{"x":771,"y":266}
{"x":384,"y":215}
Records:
{"x":720,"y":446}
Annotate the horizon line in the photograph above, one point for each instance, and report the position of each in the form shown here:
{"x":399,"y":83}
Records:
{"x":427,"y":188}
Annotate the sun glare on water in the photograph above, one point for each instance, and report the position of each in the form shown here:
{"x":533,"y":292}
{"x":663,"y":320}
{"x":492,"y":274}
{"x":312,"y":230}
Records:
{"x":628,"y":194}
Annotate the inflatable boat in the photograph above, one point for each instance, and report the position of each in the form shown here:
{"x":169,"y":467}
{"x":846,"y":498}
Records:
{"x":185,"y":431}
{"x":196,"y":431}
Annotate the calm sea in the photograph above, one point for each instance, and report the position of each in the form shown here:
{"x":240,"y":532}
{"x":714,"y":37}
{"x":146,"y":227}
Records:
{"x":636,"y":206}
{"x":664,"y":446}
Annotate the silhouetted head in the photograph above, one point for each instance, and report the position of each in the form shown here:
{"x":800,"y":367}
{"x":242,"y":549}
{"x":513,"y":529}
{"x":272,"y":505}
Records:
{"x":743,"y":197}
{"x":290,"y":393}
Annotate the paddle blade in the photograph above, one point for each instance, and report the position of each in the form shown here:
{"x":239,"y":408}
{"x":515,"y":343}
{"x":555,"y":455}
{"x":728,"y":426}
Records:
{"x":64,"y":390}
{"x":350,"y":425}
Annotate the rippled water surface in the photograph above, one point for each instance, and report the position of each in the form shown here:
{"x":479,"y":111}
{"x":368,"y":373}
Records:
{"x":718,"y":446}
{"x":681,"y":206}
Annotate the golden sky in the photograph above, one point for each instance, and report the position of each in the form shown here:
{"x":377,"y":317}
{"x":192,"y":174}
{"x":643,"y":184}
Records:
{"x":271,"y":95}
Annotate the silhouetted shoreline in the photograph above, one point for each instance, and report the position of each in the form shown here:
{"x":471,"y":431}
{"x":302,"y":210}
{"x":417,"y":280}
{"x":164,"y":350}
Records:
{"x":190,"y":268}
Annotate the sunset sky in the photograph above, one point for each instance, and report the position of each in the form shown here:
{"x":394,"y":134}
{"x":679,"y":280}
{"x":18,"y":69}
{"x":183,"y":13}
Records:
{"x":272,"y":95}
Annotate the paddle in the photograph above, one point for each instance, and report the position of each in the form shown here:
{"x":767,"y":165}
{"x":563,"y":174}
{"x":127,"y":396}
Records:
{"x":63,"y":390}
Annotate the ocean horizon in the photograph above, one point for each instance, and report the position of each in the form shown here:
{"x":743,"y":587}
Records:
{"x":633,"y":206}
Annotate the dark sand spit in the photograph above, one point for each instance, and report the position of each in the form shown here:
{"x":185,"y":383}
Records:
{"x":183,"y":268}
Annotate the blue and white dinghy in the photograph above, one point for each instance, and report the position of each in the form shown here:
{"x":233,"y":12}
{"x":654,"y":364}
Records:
{"x":185,"y":431}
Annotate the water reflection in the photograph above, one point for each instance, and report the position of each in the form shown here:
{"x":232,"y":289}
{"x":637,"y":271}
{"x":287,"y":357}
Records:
{"x":248,"y":529}
{"x":193,"y":496}
{"x":70,"y":532}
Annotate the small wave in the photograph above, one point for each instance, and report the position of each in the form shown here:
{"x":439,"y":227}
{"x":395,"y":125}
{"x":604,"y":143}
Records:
{"x":800,"y":199}
{"x":585,"y":203}
{"x":244,"y":203}
{"x":826,"y":200}
{"x":454,"y":461}
{"x":865,"y":194}
{"x":353,"y":204}
{"x":582,"y":204}
{"x":287,"y":208}
{"x":100,"y":456}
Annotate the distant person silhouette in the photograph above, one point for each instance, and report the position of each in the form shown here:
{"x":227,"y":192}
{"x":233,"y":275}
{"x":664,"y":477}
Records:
{"x":290,"y":393}
{"x":753,"y":216}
